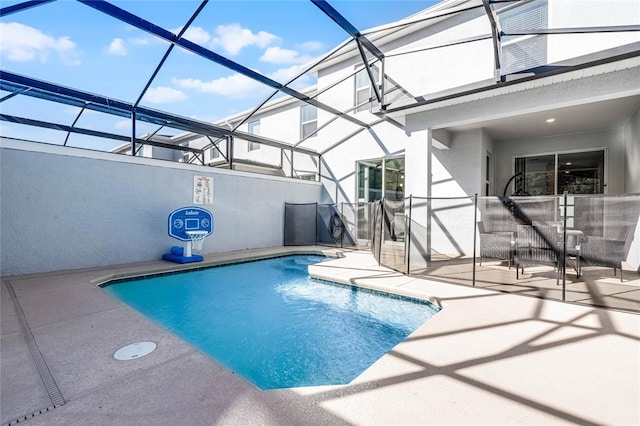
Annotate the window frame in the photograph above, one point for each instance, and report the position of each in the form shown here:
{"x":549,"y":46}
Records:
{"x":314,"y":132}
{"x":369,"y":90}
{"x":251,"y":126}
{"x":556,"y":155}
{"x":383,"y":190}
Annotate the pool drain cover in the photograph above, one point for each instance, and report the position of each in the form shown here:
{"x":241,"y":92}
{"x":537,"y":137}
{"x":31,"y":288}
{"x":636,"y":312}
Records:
{"x":134,"y":351}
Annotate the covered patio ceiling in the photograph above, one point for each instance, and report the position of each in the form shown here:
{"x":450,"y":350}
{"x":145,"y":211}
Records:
{"x":571,"y":119}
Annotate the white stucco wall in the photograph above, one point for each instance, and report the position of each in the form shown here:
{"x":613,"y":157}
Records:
{"x":632,"y":178}
{"x":632,"y":154}
{"x":456,"y":172}
{"x":339,"y":164}
{"x":422,"y":71}
{"x":65,"y":208}
{"x":590,"y":13}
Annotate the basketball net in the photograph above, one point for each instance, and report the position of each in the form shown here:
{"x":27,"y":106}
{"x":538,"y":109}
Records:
{"x":197,"y":239}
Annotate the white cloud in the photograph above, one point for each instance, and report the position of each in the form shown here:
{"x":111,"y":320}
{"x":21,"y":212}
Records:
{"x":278,"y":55}
{"x":311,"y":46}
{"x":197,"y":35}
{"x":236,"y":86}
{"x":164,"y":95}
{"x":117,"y":47}
{"x":233,"y":38}
{"x":283,"y":75}
{"x":22,"y":43}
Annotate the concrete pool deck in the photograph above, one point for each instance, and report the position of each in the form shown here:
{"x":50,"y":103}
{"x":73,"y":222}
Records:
{"x":486,"y":358}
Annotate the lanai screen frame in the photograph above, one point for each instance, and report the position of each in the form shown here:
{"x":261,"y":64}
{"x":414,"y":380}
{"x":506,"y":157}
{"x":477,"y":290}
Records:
{"x":368,"y":51}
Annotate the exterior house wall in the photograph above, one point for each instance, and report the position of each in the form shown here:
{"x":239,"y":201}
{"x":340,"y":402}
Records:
{"x":161,"y":153}
{"x":456,"y":172}
{"x":384,"y":139}
{"x":632,"y":178}
{"x":632,"y":155}
{"x":440,"y":69}
{"x":542,"y":97}
{"x":271,"y":126}
{"x":339,"y":164}
{"x":589,"y":13}
{"x":487,"y":149}
{"x":435,"y":70}
{"x":105,"y":209}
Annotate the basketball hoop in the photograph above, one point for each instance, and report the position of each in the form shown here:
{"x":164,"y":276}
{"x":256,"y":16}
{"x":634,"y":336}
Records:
{"x":197,"y":239}
{"x":191,"y":225}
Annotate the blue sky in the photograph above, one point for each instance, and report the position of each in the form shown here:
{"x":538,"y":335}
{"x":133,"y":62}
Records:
{"x":71,"y":44}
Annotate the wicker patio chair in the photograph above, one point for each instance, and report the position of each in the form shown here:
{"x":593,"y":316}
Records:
{"x":496,"y":245}
{"x":536,"y":245}
{"x":606,"y":252}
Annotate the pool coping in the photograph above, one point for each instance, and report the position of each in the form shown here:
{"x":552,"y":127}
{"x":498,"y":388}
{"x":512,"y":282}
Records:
{"x":233,"y":258}
{"x":211,"y":261}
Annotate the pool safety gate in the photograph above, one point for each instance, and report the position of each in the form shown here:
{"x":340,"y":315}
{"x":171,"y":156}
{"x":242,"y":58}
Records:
{"x":570,"y":247}
{"x":336,"y":225}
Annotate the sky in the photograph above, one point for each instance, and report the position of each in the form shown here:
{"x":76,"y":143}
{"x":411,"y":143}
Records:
{"x":71,"y":44}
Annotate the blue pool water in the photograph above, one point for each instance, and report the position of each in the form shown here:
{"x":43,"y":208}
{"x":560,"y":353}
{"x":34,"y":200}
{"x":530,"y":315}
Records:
{"x":271,"y":323}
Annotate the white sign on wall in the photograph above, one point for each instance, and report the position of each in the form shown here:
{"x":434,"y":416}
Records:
{"x":202,"y":190}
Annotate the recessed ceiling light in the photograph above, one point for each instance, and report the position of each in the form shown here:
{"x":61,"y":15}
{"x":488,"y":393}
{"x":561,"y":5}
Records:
{"x":550,"y":120}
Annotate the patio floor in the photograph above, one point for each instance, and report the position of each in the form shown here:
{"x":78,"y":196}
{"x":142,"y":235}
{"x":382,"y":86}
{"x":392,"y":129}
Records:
{"x":487,"y":358}
{"x":596,"y":286}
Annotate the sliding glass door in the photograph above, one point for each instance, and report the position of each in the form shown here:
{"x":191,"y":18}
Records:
{"x":383,"y":177}
{"x":550,"y":174}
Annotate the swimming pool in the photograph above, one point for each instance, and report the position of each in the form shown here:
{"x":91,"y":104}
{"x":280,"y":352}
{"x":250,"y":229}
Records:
{"x":268,"y":321}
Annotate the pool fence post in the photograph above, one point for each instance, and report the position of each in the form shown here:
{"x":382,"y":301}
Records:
{"x":475,"y":226}
{"x":316,"y":221}
{"x":564,"y":250}
{"x":342,"y":224}
{"x":408,"y":235}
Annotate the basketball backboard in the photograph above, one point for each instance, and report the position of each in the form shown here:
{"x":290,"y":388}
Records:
{"x":187,"y":219}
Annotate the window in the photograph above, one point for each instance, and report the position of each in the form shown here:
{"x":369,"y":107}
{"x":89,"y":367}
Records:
{"x":524,"y":52}
{"x":383,"y":177}
{"x":254,"y":128}
{"x":215,"y":153}
{"x":308,"y":120}
{"x":550,"y":174}
{"x":363,"y":90}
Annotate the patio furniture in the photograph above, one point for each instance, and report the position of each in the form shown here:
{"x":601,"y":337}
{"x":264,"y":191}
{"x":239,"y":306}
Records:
{"x":606,"y":251}
{"x":575,"y":237}
{"x":496,"y":245}
{"x":536,"y":245}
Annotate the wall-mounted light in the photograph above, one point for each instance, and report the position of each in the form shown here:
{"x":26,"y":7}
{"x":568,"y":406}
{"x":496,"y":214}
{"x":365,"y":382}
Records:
{"x":550,"y":120}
